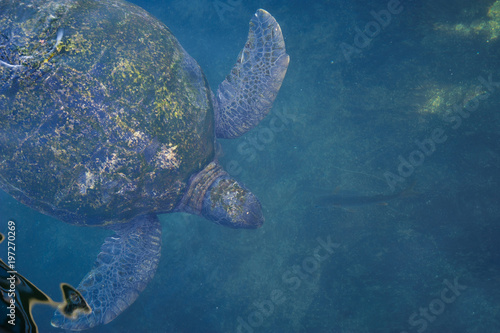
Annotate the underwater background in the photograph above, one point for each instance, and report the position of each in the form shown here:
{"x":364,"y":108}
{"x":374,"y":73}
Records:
{"x":379,"y":185}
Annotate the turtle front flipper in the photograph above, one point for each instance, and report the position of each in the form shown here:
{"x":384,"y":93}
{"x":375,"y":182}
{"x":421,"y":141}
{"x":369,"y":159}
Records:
{"x":248,"y":92}
{"x":122,"y":270}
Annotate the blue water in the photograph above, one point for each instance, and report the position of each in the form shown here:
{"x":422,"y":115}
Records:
{"x":368,"y":115}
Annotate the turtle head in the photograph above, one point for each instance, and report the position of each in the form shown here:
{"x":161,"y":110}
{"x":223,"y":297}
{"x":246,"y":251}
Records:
{"x":214,"y":195}
{"x":230,"y":204}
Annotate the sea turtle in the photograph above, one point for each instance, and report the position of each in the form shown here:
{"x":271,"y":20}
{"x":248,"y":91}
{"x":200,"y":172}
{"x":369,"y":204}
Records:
{"x":106,"y":121}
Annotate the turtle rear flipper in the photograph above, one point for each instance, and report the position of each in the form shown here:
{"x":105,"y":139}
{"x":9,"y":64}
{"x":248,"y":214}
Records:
{"x":248,"y":92}
{"x":126,"y":264}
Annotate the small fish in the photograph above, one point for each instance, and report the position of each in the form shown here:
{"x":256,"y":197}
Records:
{"x":18,"y":295}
